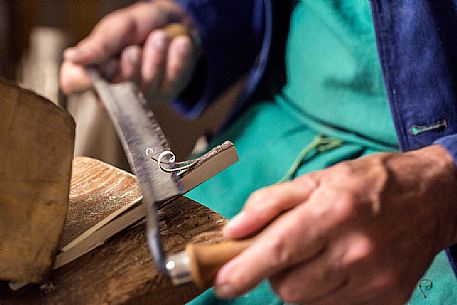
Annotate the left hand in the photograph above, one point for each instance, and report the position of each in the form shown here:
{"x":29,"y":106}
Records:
{"x":361,"y":232}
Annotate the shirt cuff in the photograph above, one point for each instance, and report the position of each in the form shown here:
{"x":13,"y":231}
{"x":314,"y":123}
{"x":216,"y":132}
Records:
{"x":450,"y":144}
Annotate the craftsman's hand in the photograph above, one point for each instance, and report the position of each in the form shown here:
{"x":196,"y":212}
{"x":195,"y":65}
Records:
{"x":130,"y":45}
{"x":361,"y":232}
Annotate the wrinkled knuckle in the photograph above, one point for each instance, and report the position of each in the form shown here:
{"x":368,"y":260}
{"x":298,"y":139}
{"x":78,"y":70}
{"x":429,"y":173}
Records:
{"x":117,"y":16}
{"x":280,"y":251}
{"x":359,"y":252}
{"x":111,"y":18}
{"x":308,"y":180}
{"x":97,"y":50}
{"x":258,"y":197}
{"x":344,"y":168}
{"x":129,"y":26}
{"x":346,"y":206}
{"x":288,"y":293}
{"x":121,"y":19}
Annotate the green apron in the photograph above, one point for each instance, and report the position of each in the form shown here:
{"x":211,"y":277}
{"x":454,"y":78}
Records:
{"x":332,"y":108}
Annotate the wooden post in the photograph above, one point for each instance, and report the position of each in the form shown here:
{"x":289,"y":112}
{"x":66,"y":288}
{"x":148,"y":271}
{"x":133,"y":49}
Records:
{"x":36,"y":149}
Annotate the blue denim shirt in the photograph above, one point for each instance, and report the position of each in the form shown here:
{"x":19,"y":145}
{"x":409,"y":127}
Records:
{"x":417,"y":45}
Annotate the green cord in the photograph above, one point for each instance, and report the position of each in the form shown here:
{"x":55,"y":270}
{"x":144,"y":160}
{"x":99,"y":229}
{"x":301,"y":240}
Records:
{"x":321,"y":143}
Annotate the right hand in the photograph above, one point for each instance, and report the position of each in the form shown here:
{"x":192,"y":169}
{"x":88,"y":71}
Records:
{"x":129,"y":45}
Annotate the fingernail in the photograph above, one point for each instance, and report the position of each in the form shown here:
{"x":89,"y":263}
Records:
{"x":223,"y":284}
{"x":225,"y":291}
{"x":236,"y":221}
{"x":132,"y":57}
{"x":183,"y":47}
{"x":159,"y":40}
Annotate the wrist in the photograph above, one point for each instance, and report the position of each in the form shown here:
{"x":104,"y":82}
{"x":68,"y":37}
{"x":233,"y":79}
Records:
{"x":441,"y":177}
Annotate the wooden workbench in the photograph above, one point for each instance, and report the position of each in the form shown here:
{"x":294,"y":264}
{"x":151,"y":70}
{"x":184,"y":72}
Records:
{"x":121,"y":271}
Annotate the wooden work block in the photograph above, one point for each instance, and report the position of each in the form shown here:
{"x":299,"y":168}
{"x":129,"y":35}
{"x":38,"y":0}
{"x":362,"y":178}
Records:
{"x":121,"y":271}
{"x":36,"y":150}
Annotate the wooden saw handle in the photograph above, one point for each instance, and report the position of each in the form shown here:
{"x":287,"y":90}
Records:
{"x":81,"y":80}
{"x":176,"y":29}
{"x":206,"y":260}
{"x":199,"y":263}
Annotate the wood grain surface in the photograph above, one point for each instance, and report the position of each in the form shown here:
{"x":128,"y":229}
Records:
{"x":90,"y":223}
{"x":97,"y":191}
{"x":36,"y":150}
{"x":121,"y":271}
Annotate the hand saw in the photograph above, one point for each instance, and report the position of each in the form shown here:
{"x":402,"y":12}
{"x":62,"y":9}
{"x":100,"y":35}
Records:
{"x":142,"y":139}
{"x":141,"y":135}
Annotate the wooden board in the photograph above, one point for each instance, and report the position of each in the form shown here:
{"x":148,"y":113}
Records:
{"x":93,"y":183}
{"x":90,"y":224}
{"x":121,"y":271}
{"x":36,"y":150}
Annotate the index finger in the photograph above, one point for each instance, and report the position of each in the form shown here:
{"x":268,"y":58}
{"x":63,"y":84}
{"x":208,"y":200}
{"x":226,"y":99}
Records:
{"x":266,"y":204}
{"x":292,"y":238}
{"x":113,"y":33}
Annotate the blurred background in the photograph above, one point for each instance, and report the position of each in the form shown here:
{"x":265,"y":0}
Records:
{"x":33,"y":36}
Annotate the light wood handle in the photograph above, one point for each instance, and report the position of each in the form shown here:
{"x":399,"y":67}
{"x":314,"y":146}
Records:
{"x":78,"y":80}
{"x":176,"y":29}
{"x":203,"y":261}
{"x":206,"y":260}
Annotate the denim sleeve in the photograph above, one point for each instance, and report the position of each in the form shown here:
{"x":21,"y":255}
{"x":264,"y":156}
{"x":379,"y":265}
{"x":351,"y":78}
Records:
{"x":450,"y":143}
{"x":231,"y":36}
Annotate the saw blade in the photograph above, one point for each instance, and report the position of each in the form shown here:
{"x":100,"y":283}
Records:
{"x":139,"y":132}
